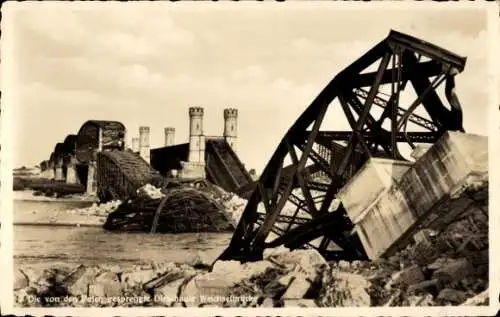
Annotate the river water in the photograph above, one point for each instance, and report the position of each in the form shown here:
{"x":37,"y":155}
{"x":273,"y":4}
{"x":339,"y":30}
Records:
{"x":36,"y":244}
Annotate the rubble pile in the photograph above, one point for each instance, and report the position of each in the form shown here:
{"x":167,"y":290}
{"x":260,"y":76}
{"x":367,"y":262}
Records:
{"x":437,"y":269}
{"x":233,"y":205}
{"x":150,"y":191}
{"x":284,"y":278}
{"x":103,"y":209}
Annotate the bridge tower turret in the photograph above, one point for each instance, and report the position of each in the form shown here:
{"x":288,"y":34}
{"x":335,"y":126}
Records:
{"x":144,"y":143}
{"x":169,"y":136}
{"x":135,"y":144}
{"x":230,"y":127}
{"x":196,"y":137}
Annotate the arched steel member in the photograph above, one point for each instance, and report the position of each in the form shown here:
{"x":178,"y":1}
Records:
{"x":69,"y":147}
{"x":98,"y":135}
{"x":59,"y":161}
{"x":120,"y":174}
{"x":359,"y":94}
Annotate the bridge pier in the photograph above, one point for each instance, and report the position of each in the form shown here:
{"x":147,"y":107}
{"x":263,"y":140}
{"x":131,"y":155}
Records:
{"x":135,"y":145}
{"x":58,"y":171}
{"x":91,"y":178}
{"x":49,"y":172}
{"x":71,"y":175}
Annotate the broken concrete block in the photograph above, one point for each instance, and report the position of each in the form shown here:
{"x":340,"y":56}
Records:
{"x":106,"y":285}
{"x":298,"y":288}
{"x":344,"y":265}
{"x":225,"y":266}
{"x":452,"y":295}
{"x":480,"y":299}
{"x":221,"y":279}
{"x":79,"y":280}
{"x":24,"y":297}
{"x":167,"y":294}
{"x":423,"y":300}
{"x":270,"y":252}
{"x":164,"y":279}
{"x":410,"y":275}
{"x":137,"y":277}
{"x":268,"y":302}
{"x":308,"y":260}
{"x":423,"y":236}
{"x":162,"y":267}
{"x":20,"y":280}
{"x":341,"y":289}
{"x":439,"y":263}
{"x":372,"y":180}
{"x":424,"y":285}
{"x":201,"y":260}
{"x":285,"y":280}
{"x":454,"y":270}
{"x":299,"y":303}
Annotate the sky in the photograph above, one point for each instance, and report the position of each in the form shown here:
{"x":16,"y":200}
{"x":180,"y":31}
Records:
{"x":147,"y":63}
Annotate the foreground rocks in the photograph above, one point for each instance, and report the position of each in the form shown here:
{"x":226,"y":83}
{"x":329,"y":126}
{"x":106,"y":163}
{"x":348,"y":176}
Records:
{"x":300,"y":278}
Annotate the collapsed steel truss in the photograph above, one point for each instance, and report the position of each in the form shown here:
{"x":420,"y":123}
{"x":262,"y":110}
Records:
{"x":423,"y":65}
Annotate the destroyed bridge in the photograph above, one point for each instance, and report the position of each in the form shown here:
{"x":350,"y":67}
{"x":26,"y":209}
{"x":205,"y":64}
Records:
{"x":350,"y":191}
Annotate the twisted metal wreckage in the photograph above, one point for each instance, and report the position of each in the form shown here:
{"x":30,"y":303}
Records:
{"x":358,"y":94}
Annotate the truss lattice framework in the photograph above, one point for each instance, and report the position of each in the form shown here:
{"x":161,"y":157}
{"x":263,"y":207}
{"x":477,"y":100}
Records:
{"x":401,"y":59}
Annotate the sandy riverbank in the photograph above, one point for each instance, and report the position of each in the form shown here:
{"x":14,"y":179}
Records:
{"x":69,"y":211}
{"x":30,"y":195}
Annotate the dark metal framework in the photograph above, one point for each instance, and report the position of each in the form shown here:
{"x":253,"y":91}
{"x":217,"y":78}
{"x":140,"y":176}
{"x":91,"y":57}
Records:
{"x":401,"y":59}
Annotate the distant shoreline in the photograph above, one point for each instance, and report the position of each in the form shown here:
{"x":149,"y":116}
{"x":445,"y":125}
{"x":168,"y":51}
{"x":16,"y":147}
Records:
{"x":56,"y":224}
{"x":28,"y":195}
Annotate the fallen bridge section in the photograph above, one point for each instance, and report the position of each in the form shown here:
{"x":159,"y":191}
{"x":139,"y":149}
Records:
{"x":225,"y":169}
{"x":121,"y":173}
{"x":389,"y":201}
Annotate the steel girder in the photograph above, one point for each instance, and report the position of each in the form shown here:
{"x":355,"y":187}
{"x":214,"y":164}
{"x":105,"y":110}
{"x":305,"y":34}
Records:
{"x":311,"y":216}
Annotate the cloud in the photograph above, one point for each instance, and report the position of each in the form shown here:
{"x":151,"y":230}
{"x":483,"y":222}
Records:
{"x":145,"y":64}
{"x":250,"y":73}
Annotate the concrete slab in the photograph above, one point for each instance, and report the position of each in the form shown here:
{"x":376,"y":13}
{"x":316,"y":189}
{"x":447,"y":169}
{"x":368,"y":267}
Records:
{"x":369,"y":183}
{"x":388,"y":208}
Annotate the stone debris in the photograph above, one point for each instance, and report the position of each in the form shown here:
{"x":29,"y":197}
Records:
{"x":406,"y":277}
{"x":232,"y":203}
{"x":421,"y":300}
{"x":94,"y":215}
{"x":20,"y":280}
{"x":480,"y":299}
{"x":300,"y":303}
{"x":308,"y":261}
{"x":102,"y":210}
{"x":452,"y":295}
{"x":106,"y":284}
{"x":150,"y":191}
{"x":341,"y":289}
{"x":201,"y":260}
{"x":297,"y":288}
{"x":454,"y":270}
{"x":300,"y":278}
{"x":165,"y":295}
